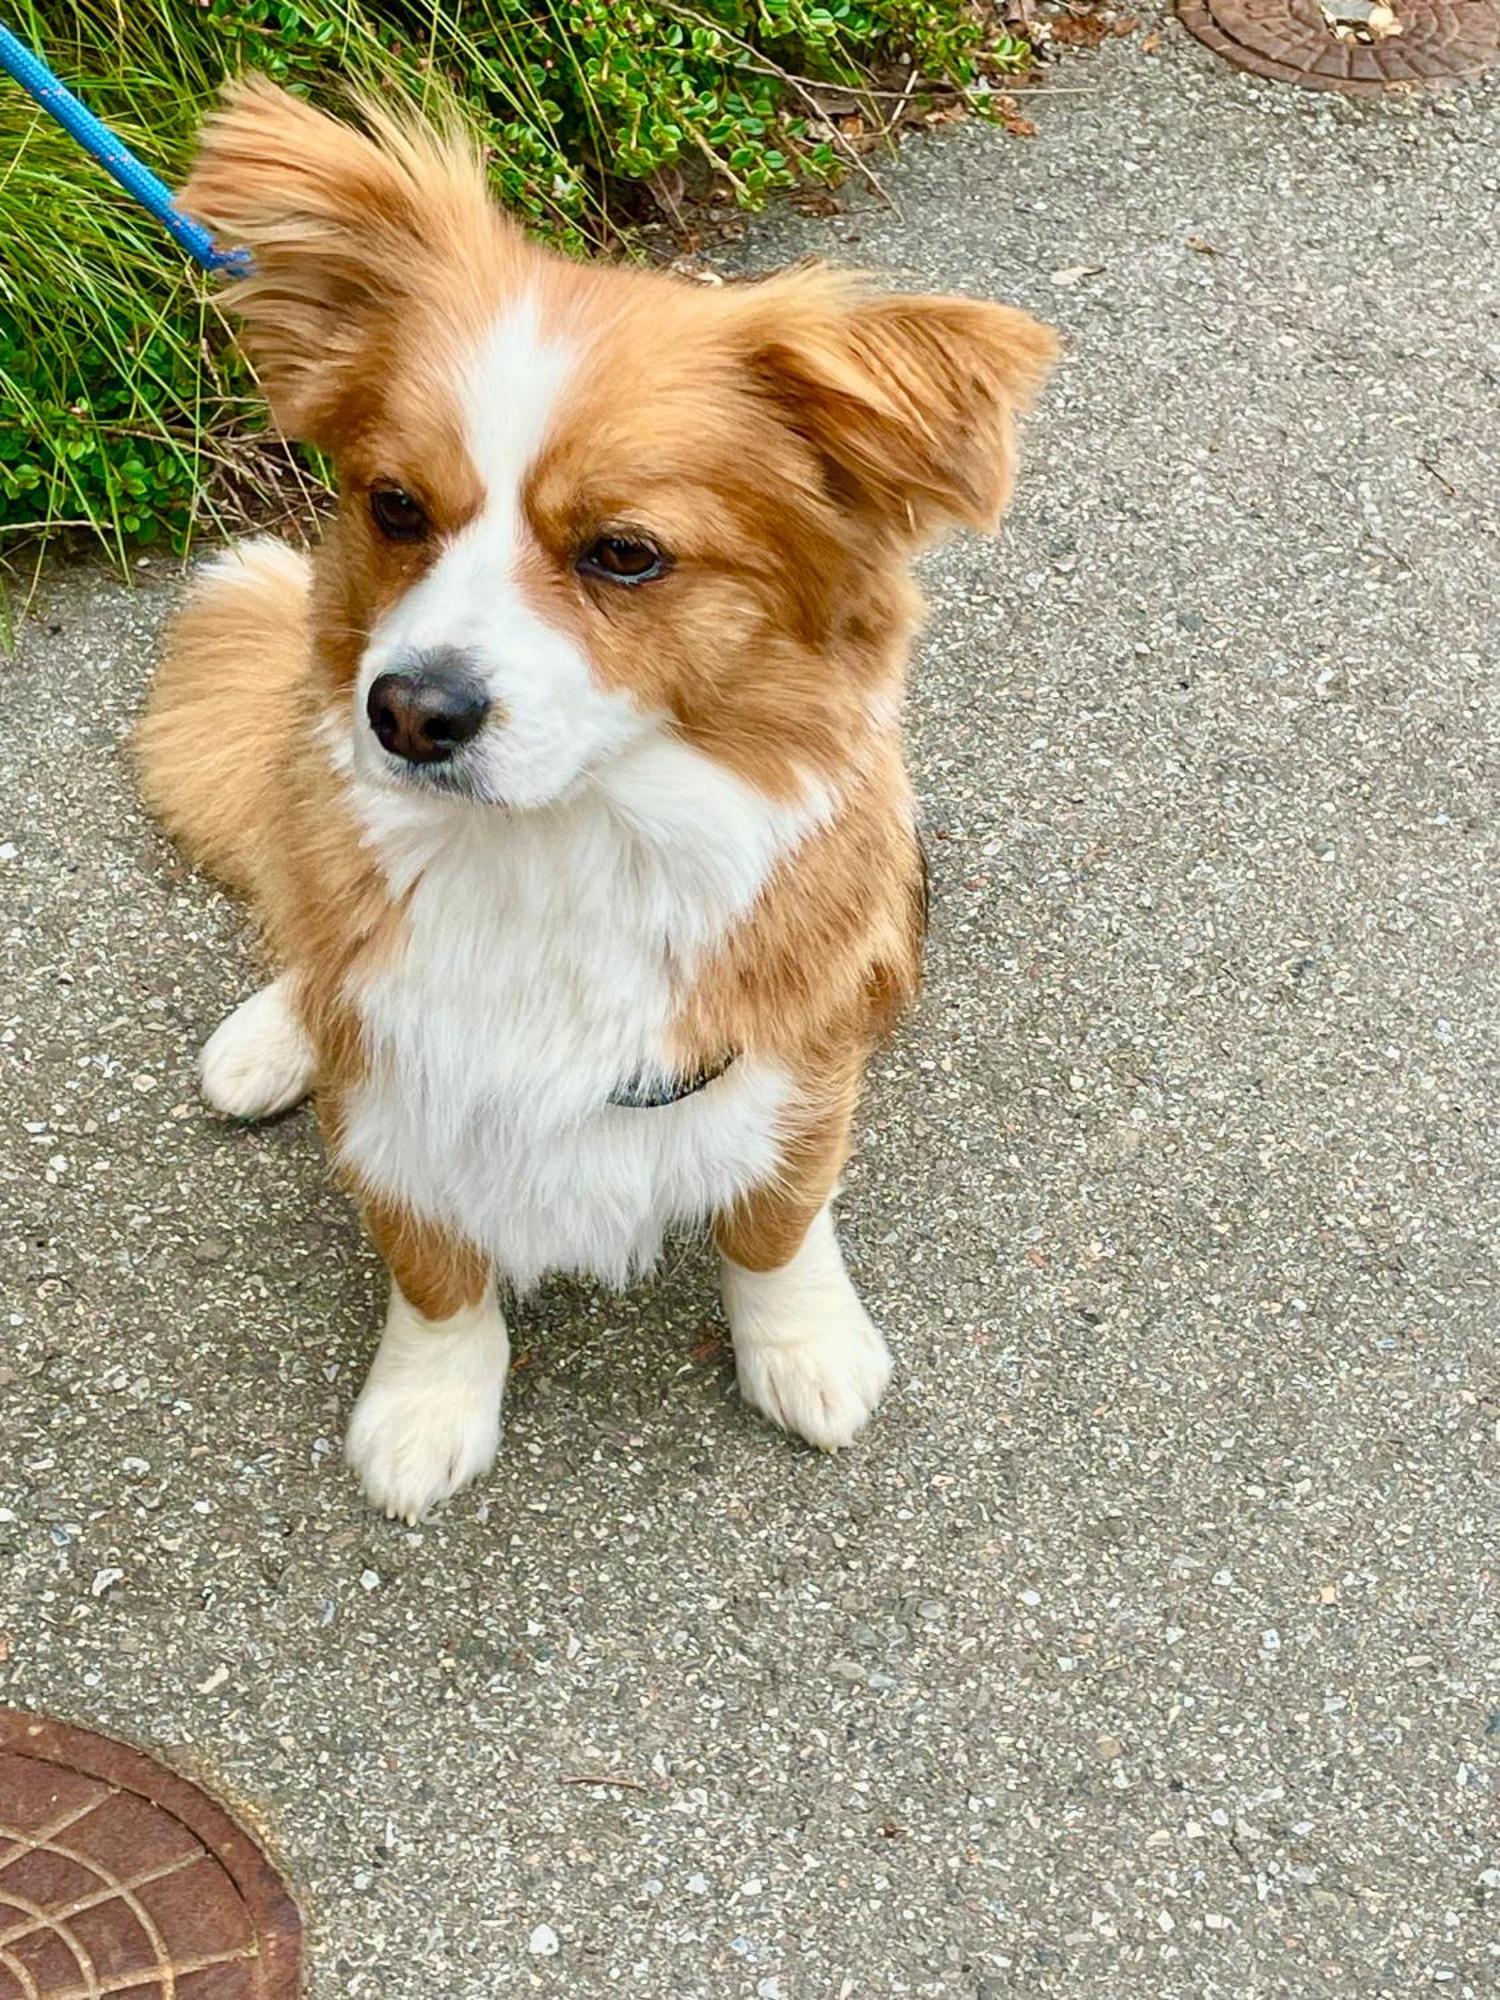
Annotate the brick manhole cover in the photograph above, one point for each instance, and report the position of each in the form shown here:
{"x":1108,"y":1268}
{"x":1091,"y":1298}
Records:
{"x":118,"y":1877}
{"x":1351,"y":45}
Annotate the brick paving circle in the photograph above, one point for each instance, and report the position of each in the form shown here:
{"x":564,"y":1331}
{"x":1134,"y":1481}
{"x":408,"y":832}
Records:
{"x":1290,"y":41}
{"x":118,"y":1877}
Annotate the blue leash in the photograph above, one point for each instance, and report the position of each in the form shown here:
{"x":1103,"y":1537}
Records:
{"x":116,"y":159}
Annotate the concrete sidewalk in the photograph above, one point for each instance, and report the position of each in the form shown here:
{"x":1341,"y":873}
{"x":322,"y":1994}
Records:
{"x":1149,"y":1645}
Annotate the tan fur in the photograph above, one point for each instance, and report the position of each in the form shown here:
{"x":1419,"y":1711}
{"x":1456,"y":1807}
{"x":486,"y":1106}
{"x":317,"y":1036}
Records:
{"x":211,"y":745}
{"x":438,"y":1273}
{"x":763,"y":1231}
{"x":793,"y":441}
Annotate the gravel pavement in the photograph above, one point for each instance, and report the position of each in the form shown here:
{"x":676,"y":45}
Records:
{"x":1148,"y":1646}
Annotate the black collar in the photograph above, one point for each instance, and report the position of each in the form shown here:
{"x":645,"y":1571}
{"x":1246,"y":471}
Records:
{"x":648,"y":1091}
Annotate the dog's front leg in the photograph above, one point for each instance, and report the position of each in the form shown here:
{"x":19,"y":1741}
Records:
{"x":807,"y":1354}
{"x":428,"y":1418}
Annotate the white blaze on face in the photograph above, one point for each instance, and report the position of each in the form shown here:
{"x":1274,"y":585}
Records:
{"x":552,"y":719}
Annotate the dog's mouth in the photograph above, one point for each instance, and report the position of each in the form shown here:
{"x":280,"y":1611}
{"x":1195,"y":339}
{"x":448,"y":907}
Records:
{"x":455,"y":779}
{"x":460,"y":777}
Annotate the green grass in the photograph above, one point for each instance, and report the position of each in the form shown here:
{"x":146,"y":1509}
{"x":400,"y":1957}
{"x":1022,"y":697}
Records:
{"x":125,"y":416}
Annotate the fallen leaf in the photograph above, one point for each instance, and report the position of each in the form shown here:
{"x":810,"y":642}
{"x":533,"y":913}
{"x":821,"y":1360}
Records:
{"x":1204,"y":248}
{"x":1081,"y":31}
{"x":1074,"y":274}
{"x":1151,"y":44}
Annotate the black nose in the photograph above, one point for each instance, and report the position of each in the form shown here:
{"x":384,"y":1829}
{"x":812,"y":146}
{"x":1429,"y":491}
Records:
{"x":428,"y":710}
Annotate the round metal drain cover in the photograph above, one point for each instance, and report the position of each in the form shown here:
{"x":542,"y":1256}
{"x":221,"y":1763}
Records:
{"x":118,"y":1877}
{"x":1352,"y":45}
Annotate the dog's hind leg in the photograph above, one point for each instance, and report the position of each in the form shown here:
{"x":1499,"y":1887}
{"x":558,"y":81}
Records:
{"x":212,"y":747}
{"x":214,"y":752}
{"x":259,"y":1060}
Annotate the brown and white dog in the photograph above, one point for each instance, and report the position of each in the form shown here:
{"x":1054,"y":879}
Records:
{"x":565,"y":781}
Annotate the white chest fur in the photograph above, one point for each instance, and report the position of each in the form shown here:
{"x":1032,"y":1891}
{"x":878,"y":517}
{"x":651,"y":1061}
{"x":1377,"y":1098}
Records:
{"x":541,"y":956}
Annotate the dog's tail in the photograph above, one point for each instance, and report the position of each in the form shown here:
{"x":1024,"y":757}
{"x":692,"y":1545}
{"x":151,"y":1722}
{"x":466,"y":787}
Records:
{"x":213,"y":739}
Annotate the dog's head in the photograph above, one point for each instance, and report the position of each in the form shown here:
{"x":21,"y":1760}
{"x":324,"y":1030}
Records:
{"x":583,"y":504}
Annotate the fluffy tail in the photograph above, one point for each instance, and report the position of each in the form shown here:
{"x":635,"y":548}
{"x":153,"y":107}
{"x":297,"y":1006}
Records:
{"x":211,"y":745}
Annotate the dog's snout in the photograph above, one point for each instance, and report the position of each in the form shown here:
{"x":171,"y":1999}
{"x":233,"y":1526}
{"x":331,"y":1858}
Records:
{"x":427,"y":710}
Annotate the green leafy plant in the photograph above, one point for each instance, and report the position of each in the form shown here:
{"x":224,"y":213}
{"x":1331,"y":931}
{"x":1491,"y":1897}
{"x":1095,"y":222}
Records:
{"x":123,"y":410}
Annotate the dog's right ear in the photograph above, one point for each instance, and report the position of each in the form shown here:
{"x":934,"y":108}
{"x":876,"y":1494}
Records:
{"x":340,"y":224}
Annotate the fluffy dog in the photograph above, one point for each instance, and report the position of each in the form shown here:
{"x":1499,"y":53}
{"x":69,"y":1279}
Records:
{"x":565,"y":781}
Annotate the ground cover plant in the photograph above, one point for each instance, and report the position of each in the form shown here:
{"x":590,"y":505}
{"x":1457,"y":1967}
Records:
{"x":124,"y":415}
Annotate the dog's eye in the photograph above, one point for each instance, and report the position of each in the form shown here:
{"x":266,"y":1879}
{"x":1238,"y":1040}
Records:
{"x":623,"y":559}
{"x":398,"y":517}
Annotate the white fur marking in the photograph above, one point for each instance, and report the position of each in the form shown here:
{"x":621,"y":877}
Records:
{"x":258,"y":1061}
{"x":542,"y":964}
{"x":807,"y":1354}
{"x":428,"y":1418}
{"x":552,"y":719}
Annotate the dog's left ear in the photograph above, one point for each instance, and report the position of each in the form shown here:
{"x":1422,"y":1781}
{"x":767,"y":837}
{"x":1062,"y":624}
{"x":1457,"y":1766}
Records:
{"x":910,"y":399}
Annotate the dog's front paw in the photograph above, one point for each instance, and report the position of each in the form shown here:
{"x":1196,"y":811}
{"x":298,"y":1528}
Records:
{"x":428,"y":1418}
{"x":823,"y":1385}
{"x":807,"y":1354}
{"x":258,"y":1061}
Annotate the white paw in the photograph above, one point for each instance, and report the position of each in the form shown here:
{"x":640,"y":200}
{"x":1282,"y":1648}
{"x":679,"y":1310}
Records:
{"x":428,"y":1418}
{"x":258,"y":1061}
{"x":824,"y":1386}
{"x":807,"y":1354}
